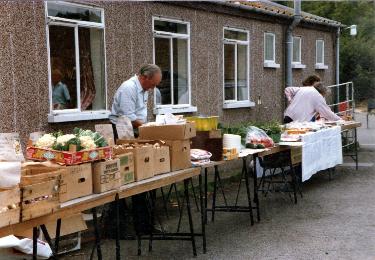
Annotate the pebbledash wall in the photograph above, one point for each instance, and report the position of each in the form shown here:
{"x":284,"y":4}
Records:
{"x":24,"y":91}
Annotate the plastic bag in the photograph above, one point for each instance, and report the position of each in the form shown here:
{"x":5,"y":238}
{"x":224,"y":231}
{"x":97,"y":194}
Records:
{"x":25,"y":246}
{"x":257,"y":139}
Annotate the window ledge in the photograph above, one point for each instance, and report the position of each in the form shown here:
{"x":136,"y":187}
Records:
{"x":271,"y":64}
{"x":78,"y":116}
{"x":174,"y":110}
{"x":238,"y":104}
{"x":298,"y":66}
{"x":321,"y":67}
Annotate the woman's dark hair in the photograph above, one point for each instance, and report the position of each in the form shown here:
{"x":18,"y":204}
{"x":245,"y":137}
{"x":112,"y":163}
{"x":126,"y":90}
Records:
{"x":310,"y":80}
{"x":323,"y":90}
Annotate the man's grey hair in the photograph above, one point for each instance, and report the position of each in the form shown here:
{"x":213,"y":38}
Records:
{"x":149,"y":70}
{"x":321,"y":88}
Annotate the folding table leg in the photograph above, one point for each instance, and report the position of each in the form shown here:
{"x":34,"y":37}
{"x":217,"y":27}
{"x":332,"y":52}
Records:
{"x":255,"y":177}
{"x":186,"y":185}
{"x":205,"y":194}
{"x":203,"y":213}
{"x":214,"y":196}
{"x":35,"y":243}
{"x":49,"y":240}
{"x":356,"y":149}
{"x":117,"y":201}
{"x":248,"y":191}
{"x":97,"y":235}
{"x":57,"y":239}
{"x":294,"y":178}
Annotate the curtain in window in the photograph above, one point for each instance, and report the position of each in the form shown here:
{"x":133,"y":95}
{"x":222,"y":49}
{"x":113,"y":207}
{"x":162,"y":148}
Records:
{"x":87,"y":76}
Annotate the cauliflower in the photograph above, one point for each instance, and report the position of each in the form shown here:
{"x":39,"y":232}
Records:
{"x":64,"y":139}
{"x":87,"y":142}
{"x":46,"y":141}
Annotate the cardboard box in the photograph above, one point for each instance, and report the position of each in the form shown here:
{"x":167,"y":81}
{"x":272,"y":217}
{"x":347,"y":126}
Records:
{"x":162,"y":162}
{"x":296,"y":155}
{"x":168,"y":132}
{"x":126,"y":167}
{"x":210,"y":141}
{"x":76,"y":182}
{"x":179,"y":154}
{"x":69,"y":225}
{"x":143,"y":158}
{"x":106,"y":175}
{"x":8,"y":197}
{"x":67,"y":157}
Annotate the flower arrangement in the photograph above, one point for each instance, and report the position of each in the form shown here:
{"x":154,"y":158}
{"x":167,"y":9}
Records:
{"x":82,"y":139}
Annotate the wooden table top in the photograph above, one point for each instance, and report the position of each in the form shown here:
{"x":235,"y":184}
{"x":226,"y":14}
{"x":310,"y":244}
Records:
{"x":78,"y":205}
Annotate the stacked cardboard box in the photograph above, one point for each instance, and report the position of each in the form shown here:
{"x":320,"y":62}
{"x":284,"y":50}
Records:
{"x":76,"y":182}
{"x":126,"y":167}
{"x":106,"y":175}
{"x":177,"y":137}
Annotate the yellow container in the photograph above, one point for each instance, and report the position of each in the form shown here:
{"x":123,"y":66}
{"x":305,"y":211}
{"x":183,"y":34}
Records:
{"x":204,"y":123}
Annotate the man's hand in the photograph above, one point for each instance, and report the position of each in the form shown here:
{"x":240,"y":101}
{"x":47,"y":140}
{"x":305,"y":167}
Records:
{"x":136,"y":123}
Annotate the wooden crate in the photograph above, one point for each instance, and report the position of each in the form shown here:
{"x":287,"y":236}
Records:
{"x":9,"y":197}
{"x":40,"y":199}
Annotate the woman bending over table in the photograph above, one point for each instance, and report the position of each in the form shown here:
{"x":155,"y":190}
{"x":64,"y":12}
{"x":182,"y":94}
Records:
{"x":305,"y":102}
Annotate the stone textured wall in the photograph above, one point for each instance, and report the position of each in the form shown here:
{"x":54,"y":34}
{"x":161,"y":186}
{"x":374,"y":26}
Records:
{"x":24,"y":94}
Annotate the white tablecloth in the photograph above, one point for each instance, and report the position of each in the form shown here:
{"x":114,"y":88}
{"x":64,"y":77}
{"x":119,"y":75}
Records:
{"x":321,"y":150}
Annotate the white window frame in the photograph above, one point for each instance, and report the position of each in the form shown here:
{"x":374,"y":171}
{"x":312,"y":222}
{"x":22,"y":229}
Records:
{"x":173,"y":108}
{"x":319,"y":65}
{"x":297,"y":64}
{"x":270,"y":63}
{"x":235,"y":103}
{"x":67,"y":115}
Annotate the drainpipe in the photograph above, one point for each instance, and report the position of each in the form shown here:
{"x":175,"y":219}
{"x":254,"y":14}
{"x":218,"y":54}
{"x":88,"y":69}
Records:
{"x":338,"y":56}
{"x":289,"y":43}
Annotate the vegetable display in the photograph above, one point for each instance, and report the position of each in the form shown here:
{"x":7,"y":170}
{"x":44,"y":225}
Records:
{"x":82,"y":139}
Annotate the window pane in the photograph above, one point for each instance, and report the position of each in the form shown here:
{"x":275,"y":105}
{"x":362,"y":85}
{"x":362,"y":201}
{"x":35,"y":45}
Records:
{"x":229,"y":71}
{"x":91,"y":62}
{"x":180,"y":72}
{"x":242,"y":90}
{"x":268,"y":47}
{"x":319,"y":52}
{"x":296,"y":49}
{"x":235,"y":35}
{"x":63,"y":67}
{"x":171,"y":27}
{"x":163,"y":60}
{"x":74,"y":12}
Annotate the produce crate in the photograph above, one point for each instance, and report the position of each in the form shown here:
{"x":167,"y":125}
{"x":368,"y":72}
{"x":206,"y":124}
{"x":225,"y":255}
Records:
{"x":8,"y":213}
{"x":39,"y":199}
{"x":68,"y":157}
{"x":296,"y":155}
{"x":40,"y":189}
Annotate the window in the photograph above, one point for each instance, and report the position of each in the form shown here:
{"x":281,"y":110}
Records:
{"x":236,"y":65}
{"x":269,"y":51}
{"x":319,"y":52}
{"x":76,"y":53}
{"x":296,"y":54}
{"x":269,"y":47}
{"x":319,"y":58}
{"x":172,"y":55}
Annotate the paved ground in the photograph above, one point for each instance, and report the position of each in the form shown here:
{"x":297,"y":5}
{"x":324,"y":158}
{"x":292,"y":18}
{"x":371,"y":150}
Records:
{"x":334,"y":220}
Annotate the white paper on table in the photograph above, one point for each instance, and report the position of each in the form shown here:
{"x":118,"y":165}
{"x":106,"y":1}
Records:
{"x":10,"y":174}
{"x":106,"y":131}
{"x":35,"y":136}
{"x":25,"y":245}
{"x":10,"y":147}
{"x":124,"y":128}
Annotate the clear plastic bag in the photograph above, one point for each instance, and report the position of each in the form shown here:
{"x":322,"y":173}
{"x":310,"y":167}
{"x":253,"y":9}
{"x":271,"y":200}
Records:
{"x":256,"y":138}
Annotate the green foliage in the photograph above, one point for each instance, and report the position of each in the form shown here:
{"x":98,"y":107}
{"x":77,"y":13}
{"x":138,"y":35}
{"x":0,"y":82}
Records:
{"x":272,"y":129}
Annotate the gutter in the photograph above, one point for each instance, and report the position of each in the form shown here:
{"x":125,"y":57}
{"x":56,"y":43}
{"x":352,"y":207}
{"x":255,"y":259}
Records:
{"x":338,"y":55}
{"x":297,"y":17}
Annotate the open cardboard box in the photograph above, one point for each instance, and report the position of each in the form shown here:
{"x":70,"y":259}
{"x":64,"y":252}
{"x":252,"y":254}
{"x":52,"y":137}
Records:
{"x":168,"y":132}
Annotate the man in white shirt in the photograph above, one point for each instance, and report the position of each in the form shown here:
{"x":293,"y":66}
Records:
{"x":305,"y":102}
{"x":131,"y":97}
